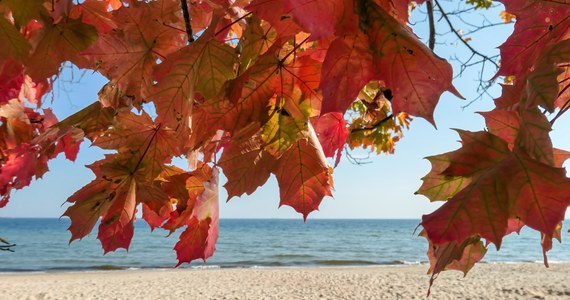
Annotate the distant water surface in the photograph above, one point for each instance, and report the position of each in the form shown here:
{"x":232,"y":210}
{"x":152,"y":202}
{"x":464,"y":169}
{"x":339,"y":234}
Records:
{"x":42,"y":245}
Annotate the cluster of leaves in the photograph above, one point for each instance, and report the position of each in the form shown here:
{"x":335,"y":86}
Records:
{"x":263,"y":88}
{"x":508,"y":176}
{"x":480,"y":3}
{"x":372,"y":122}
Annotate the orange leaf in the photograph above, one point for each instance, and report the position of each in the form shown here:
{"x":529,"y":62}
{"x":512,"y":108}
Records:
{"x":304,"y":176}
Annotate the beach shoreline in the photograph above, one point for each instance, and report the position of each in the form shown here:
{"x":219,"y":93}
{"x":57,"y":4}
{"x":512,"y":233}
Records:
{"x":485,"y":281}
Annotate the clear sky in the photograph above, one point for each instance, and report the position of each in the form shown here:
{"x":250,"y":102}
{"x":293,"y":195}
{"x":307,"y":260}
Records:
{"x":383,"y":188}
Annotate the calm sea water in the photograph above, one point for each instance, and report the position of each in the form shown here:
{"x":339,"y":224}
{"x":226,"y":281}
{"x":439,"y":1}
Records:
{"x":42,"y":245}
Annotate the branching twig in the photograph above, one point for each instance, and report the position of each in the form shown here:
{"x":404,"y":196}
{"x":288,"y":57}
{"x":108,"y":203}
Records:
{"x":187,"y":23}
{"x":356,"y":160}
{"x":6,"y":245}
{"x":483,"y":56}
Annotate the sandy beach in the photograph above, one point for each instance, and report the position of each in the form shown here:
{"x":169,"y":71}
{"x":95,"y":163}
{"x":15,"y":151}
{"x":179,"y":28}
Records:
{"x":486,"y":281}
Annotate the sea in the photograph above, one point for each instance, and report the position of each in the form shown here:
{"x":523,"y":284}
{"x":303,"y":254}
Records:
{"x":42,"y":246}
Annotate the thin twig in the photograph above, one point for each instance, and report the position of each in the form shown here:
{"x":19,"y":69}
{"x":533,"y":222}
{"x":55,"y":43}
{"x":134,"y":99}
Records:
{"x":431,"y":25}
{"x":187,"y":23}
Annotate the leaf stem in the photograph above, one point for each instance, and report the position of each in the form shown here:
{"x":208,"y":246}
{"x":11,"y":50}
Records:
{"x":232,"y":23}
{"x":294,"y":50}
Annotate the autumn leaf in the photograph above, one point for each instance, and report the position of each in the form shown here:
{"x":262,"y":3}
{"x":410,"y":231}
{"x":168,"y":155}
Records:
{"x":482,"y":206}
{"x":128,"y":54}
{"x":398,"y":9}
{"x":16,"y":46}
{"x":117,"y":225}
{"x":199,"y":238}
{"x":200,"y":15}
{"x":346,"y":69}
{"x":479,"y":151}
{"x":275,"y":12}
{"x":416,"y":75}
{"x":184,"y":188}
{"x":546,"y":241}
{"x":25,"y":11}
{"x":516,"y":186}
{"x":317,"y":17}
{"x":192,"y":243}
{"x":19,"y":165}
{"x":560,"y":156}
{"x":534,"y":136}
{"x":331,"y":129}
{"x":438,"y":187}
{"x":245,"y":100}
{"x":297,"y":87}
{"x":247,"y":166}
{"x":542,"y":87}
{"x":95,"y":13}
{"x":504,"y":124}
{"x":255,"y":41}
{"x":304,"y":176}
{"x":454,"y":256}
{"x":11,"y":79}
{"x":156,"y":205}
{"x":93,"y":120}
{"x":58,"y":43}
{"x":201,"y":67}
{"x":539,"y":24}
{"x":148,"y":144}
{"x":281,"y":131}
{"x":546,"y":83}
{"x":93,"y":200}
{"x":154,"y":219}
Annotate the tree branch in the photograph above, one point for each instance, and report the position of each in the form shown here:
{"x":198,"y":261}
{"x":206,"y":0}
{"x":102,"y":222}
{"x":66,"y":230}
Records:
{"x":187,"y":23}
{"x":431,"y":25}
{"x":388,"y":117}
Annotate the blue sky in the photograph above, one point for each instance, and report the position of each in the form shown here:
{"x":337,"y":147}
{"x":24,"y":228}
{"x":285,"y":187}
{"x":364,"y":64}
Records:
{"x":383,"y":188}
